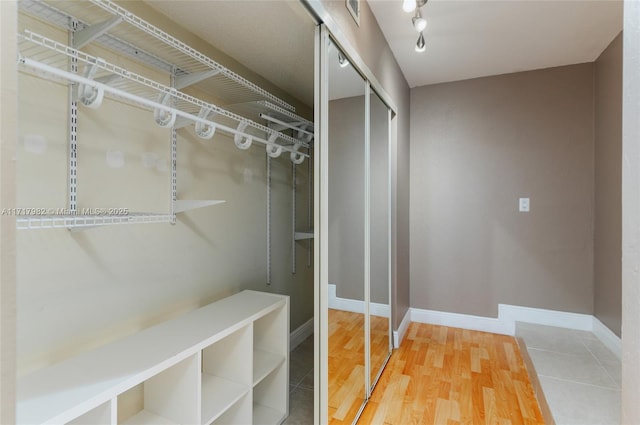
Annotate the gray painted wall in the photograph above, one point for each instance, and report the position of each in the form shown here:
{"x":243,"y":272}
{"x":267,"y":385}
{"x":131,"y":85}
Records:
{"x":476,"y":147}
{"x":346,"y":198}
{"x":379,"y":199}
{"x":608,"y":187}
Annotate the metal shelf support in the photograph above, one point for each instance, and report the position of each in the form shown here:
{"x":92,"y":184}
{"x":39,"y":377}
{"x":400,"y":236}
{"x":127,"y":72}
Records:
{"x":89,"y":33}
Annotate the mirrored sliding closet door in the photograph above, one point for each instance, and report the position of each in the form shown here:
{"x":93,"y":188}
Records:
{"x":346,"y":205}
{"x":355,"y":214}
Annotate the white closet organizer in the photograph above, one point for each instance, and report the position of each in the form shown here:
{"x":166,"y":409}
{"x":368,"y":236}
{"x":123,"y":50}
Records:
{"x":194,"y":369}
{"x":92,"y":78}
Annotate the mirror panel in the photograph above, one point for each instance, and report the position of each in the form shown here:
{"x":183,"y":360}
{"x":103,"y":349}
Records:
{"x":380,"y":233}
{"x":346,"y":232}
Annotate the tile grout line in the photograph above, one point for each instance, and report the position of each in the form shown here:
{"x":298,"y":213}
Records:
{"x":579,"y":383}
{"x":583,"y":343}
{"x":599,"y":362}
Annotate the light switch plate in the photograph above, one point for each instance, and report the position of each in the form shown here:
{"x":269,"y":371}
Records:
{"x":524,"y":205}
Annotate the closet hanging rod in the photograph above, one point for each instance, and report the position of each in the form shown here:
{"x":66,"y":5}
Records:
{"x":70,"y":76}
{"x":37,"y":41}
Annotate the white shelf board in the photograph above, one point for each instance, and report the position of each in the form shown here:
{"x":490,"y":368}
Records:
{"x":79,"y":221}
{"x":218,"y":395}
{"x":264,"y":363}
{"x":266,"y":415}
{"x":303,"y":235}
{"x":144,"y":417}
{"x":188,"y":205}
{"x":58,"y":393}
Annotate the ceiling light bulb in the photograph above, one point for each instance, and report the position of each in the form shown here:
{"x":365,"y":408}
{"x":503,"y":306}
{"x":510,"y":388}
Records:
{"x":420,"y":45}
{"x":419,"y":23}
{"x":409,"y":5}
{"x":342,"y":61}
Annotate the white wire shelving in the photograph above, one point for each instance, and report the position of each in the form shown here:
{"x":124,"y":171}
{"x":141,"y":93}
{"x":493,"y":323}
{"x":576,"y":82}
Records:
{"x":277,"y":118}
{"x":110,"y":24}
{"x":77,"y":221}
{"x":92,"y":78}
{"x":102,"y":217}
{"x":171,"y":107}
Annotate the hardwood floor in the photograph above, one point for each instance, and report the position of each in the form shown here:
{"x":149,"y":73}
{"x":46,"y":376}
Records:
{"x":346,"y":366}
{"x":451,"y":376}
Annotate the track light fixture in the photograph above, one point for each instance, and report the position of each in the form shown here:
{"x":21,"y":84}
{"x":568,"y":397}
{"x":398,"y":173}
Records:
{"x":419,"y":23}
{"x":421,"y":45}
{"x":409,"y":5}
{"x":342,"y":61}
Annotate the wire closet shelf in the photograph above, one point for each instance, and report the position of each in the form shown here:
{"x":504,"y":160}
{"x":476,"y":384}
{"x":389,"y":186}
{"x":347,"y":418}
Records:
{"x":92,"y":78}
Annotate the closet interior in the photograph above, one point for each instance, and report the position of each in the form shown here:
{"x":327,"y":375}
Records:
{"x":134,"y":113}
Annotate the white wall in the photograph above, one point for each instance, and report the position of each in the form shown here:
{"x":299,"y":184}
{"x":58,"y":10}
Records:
{"x":8,"y":99}
{"x":631,"y":214}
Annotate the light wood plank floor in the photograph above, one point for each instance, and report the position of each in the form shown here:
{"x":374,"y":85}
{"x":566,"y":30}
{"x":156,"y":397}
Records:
{"x":346,"y":361}
{"x":346,"y":365}
{"x":451,"y":376}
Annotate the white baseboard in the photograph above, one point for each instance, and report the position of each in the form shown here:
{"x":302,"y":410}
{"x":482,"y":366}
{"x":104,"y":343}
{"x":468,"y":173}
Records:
{"x":607,"y":337}
{"x":301,"y":333}
{"x":398,"y":335}
{"x":457,"y":320}
{"x":355,"y":306}
{"x":508,"y":315}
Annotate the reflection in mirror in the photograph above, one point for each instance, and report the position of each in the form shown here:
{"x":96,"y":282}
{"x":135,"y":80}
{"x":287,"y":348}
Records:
{"x":346,"y":374}
{"x":379,"y":202}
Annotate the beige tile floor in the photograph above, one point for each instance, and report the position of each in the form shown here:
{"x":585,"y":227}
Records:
{"x":301,"y":384}
{"x":580,"y":376}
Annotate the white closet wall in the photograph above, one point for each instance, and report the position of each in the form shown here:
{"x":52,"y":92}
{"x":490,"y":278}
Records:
{"x":81,"y":289}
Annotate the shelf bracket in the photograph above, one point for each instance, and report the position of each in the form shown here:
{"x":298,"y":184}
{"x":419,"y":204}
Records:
{"x":205,"y":131}
{"x":273,"y":149}
{"x":240,"y":134}
{"x":89,"y":96}
{"x":295,"y":156}
{"x":186,"y":80}
{"x":187,"y":205}
{"x":164,"y":117}
{"x":90,"y":33}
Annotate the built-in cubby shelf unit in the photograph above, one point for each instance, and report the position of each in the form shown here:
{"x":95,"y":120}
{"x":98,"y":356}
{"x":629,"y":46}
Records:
{"x":225,"y":363}
{"x":92,"y":78}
